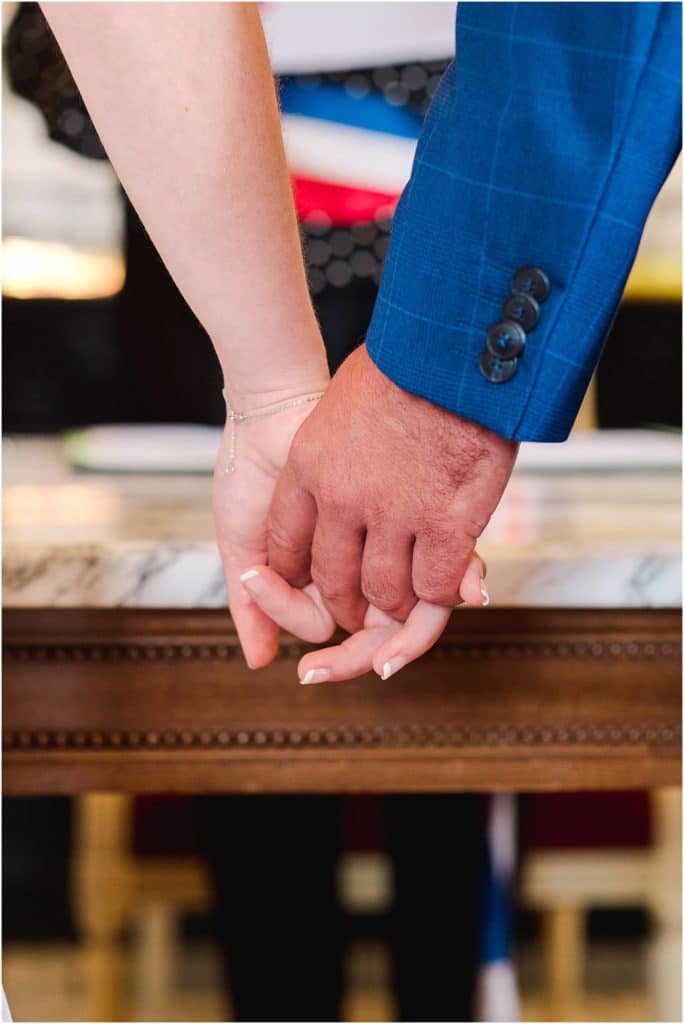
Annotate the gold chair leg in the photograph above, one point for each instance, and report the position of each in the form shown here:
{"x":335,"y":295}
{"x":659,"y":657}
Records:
{"x":665,"y":954}
{"x":154,"y":957}
{"x":100,"y":894}
{"x":563,"y":960}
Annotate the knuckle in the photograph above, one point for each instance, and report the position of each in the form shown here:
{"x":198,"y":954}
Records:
{"x":333,"y":495}
{"x":435,"y":593}
{"x":438,"y":584}
{"x":281,"y":538}
{"x":331,"y":588}
{"x":376,"y":517}
{"x":472,"y":528}
{"x":385,"y":595}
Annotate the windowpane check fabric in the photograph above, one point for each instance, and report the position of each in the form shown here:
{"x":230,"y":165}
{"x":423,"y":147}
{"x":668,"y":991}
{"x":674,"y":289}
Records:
{"x":546,"y":144}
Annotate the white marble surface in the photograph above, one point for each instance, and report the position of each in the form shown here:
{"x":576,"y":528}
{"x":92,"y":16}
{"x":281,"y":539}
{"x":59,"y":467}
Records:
{"x":603,"y":538}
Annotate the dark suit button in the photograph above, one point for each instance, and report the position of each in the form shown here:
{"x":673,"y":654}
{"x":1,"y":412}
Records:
{"x":523,"y":309}
{"x":532,"y":281}
{"x":505,"y":339}
{"x":497,"y":370}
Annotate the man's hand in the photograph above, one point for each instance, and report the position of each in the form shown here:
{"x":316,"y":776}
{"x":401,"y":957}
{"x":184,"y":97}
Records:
{"x":383,"y":497}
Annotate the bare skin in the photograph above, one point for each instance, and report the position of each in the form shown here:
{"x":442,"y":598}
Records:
{"x":383,"y":644}
{"x":383,"y":497}
{"x":183,"y":98}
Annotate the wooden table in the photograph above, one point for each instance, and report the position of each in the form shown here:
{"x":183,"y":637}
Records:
{"x":141,"y":701}
{"x":123,"y":672}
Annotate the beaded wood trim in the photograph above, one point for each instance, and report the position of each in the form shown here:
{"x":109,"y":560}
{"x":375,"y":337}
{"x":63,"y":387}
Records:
{"x":472,"y":736}
{"x":633,"y":650}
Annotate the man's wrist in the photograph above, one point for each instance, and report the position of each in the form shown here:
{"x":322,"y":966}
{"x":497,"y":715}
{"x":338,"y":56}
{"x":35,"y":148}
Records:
{"x":452,"y":420}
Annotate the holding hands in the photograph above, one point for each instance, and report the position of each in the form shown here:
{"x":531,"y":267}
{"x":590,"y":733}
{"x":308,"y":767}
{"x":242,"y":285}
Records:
{"x":376,"y":499}
{"x":383,"y":644}
{"x":362,"y":510}
{"x":365,"y":512}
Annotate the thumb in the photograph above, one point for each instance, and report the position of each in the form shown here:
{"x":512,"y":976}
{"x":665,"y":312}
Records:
{"x":472,"y":589}
{"x":259,"y":636}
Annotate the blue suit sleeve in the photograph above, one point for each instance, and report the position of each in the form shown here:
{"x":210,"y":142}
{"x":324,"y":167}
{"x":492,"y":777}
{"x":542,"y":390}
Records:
{"x":547,"y":142}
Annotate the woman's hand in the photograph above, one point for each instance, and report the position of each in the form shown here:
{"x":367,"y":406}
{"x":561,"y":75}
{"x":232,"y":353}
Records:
{"x":184,"y":101}
{"x":383,"y":644}
{"x":241,"y":502}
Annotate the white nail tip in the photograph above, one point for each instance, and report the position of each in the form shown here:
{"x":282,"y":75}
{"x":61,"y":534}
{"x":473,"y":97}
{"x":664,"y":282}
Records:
{"x":386,"y":670}
{"x":316,"y":675}
{"x":248,"y":575}
{"x":485,"y":596}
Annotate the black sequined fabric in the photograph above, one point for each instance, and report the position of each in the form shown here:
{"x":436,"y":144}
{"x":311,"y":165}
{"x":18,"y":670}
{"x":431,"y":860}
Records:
{"x":37,"y":71}
{"x":335,"y":256}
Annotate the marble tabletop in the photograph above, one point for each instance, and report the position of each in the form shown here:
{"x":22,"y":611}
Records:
{"x":601,"y":537}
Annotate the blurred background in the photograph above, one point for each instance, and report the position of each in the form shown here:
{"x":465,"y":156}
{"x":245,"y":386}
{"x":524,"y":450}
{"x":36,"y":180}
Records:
{"x":95,"y":332}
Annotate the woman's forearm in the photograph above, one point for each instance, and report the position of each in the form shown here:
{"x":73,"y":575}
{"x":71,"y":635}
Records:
{"x":183,"y":98}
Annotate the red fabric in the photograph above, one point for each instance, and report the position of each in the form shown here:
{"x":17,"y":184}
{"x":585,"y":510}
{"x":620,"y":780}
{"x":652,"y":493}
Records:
{"x":339,"y":204}
{"x":571,"y":820}
{"x":362,"y":823}
{"x":163,"y":826}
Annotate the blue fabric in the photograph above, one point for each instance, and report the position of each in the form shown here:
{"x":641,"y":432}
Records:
{"x":497,"y":918}
{"x":330,"y":102}
{"x":546,"y":144}
{"x":495,"y":931}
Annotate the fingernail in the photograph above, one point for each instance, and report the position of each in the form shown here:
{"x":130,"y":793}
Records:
{"x":392,"y":666}
{"x":315,"y":675}
{"x":485,"y":595}
{"x":248,"y":575}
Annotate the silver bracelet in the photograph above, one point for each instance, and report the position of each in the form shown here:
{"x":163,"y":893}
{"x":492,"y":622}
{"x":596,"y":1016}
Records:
{"x":267,"y":410}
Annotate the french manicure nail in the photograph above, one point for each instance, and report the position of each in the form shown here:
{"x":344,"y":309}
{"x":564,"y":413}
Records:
{"x":485,"y":595}
{"x":247,"y":579}
{"x":315,"y":675}
{"x":392,"y":666}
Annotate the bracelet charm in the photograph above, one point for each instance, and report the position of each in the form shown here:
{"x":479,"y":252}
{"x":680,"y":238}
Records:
{"x":235,"y":417}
